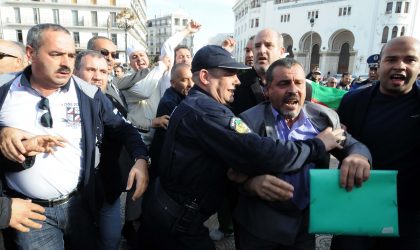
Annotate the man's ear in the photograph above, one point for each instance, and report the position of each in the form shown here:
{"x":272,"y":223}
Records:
{"x":29,"y":52}
{"x":282,"y":50}
{"x":203,"y":76}
{"x":172,"y":82}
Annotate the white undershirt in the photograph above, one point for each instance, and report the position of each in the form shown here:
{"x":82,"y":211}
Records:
{"x":52,"y":175}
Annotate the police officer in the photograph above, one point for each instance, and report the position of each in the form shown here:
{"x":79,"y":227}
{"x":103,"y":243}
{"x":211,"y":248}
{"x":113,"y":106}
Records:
{"x":203,"y":140}
{"x":373,"y":63}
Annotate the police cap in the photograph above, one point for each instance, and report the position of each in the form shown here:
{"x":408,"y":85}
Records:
{"x":373,"y":61}
{"x":213,"y":56}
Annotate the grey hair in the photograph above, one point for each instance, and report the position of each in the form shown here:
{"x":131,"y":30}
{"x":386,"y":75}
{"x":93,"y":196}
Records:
{"x":284,"y":62}
{"x":83,"y":54}
{"x":34,"y":38}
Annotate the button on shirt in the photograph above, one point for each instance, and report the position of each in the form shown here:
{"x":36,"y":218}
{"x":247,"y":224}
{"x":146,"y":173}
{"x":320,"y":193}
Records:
{"x":301,"y":129}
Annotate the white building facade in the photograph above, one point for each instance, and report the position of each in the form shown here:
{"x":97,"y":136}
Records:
{"x":83,"y":18}
{"x":159,"y":29}
{"x":336,"y":35}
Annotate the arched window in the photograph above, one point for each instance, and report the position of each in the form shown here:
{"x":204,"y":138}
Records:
{"x":344,"y":59}
{"x":402,"y":31}
{"x":314,"y":56}
{"x":290,"y":51}
{"x":385,"y":34}
{"x":394,"y":32}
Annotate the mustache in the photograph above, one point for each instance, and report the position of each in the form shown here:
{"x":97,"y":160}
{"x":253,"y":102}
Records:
{"x":291,"y":97}
{"x":64,"y":69}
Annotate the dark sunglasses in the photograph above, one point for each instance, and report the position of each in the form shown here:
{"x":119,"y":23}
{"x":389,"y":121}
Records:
{"x":2,"y":55}
{"x":105,"y":52}
{"x":46,"y":119}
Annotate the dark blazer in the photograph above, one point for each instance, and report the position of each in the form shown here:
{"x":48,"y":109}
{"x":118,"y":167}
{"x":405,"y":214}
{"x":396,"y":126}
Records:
{"x":280,"y":221}
{"x":249,"y":93}
{"x":97,"y":114}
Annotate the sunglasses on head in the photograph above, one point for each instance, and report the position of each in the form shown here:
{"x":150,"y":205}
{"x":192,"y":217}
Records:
{"x":2,"y":55}
{"x":105,"y":52}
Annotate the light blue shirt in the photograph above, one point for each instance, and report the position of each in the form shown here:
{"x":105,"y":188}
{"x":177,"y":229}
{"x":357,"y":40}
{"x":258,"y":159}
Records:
{"x":301,"y":129}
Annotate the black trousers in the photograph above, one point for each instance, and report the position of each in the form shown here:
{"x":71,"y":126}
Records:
{"x":157,"y":229}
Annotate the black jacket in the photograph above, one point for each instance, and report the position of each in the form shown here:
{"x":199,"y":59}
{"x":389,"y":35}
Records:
{"x":204,"y":139}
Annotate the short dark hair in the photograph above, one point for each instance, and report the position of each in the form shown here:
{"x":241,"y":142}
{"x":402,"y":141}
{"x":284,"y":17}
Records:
{"x":34,"y":38}
{"x":121,"y":67}
{"x":180,"y":47}
{"x":284,"y":62}
{"x":345,"y":74}
{"x":92,"y":41}
{"x":83,"y":54}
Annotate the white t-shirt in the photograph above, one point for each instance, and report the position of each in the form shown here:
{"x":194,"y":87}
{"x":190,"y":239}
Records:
{"x":52,"y":175}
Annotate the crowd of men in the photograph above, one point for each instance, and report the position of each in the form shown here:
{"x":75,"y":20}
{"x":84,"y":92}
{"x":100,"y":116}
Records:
{"x":190,"y":134}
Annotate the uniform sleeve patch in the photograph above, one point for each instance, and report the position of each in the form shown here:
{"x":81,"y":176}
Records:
{"x":239,"y":126}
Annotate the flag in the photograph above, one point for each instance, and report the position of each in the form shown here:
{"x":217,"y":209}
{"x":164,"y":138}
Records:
{"x":327,"y":96}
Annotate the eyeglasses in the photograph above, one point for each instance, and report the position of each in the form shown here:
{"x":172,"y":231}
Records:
{"x":46,"y":119}
{"x":105,"y":52}
{"x":2,"y":55}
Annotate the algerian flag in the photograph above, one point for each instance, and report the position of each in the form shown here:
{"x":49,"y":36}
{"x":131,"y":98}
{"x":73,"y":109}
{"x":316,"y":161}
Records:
{"x":327,"y":96}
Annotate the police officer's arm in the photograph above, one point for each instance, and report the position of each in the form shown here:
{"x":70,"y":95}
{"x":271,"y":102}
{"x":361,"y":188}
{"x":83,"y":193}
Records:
{"x":252,"y":154}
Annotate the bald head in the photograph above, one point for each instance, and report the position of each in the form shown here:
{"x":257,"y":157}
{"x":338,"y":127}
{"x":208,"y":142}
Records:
{"x":12,"y":56}
{"x":268,"y":48}
{"x":399,"y":65}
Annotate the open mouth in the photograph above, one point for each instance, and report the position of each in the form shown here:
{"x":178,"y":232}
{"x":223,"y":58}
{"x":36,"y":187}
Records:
{"x":262,"y":59}
{"x":398,"y":78}
{"x":291,"y":102}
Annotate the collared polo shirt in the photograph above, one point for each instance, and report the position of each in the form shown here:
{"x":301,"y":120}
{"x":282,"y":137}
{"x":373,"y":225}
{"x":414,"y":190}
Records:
{"x":52,"y":175}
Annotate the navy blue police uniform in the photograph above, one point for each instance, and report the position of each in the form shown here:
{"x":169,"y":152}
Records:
{"x":203,"y":140}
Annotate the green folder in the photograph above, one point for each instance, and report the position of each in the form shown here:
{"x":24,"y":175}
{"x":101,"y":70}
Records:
{"x":370,"y":210}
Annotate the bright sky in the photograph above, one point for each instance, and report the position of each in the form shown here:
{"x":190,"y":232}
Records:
{"x":215,"y":16}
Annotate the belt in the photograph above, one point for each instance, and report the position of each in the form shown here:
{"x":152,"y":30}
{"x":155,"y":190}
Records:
{"x":45,"y":203}
{"x":171,"y":206}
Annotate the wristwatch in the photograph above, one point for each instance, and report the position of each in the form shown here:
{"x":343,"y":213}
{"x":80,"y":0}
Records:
{"x":146,"y":158}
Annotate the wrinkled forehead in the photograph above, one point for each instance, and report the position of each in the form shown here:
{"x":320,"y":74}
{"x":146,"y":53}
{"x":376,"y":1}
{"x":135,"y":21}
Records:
{"x":105,"y":44}
{"x":284,"y":73}
{"x":139,"y":53}
{"x":403,"y":46}
{"x":90,"y":61}
{"x":183,"y":52}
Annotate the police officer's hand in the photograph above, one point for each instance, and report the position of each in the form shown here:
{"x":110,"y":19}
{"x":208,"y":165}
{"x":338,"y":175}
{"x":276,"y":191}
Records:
{"x":332,"y":138}
{"x":161,"y":122}
{"x":11,"y":143}
{"x":270,"y":188}
{"x":140,"y":174}
{"x":24,"y":212}
{"x":354,"y":170}
{"x":236,"y":176}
